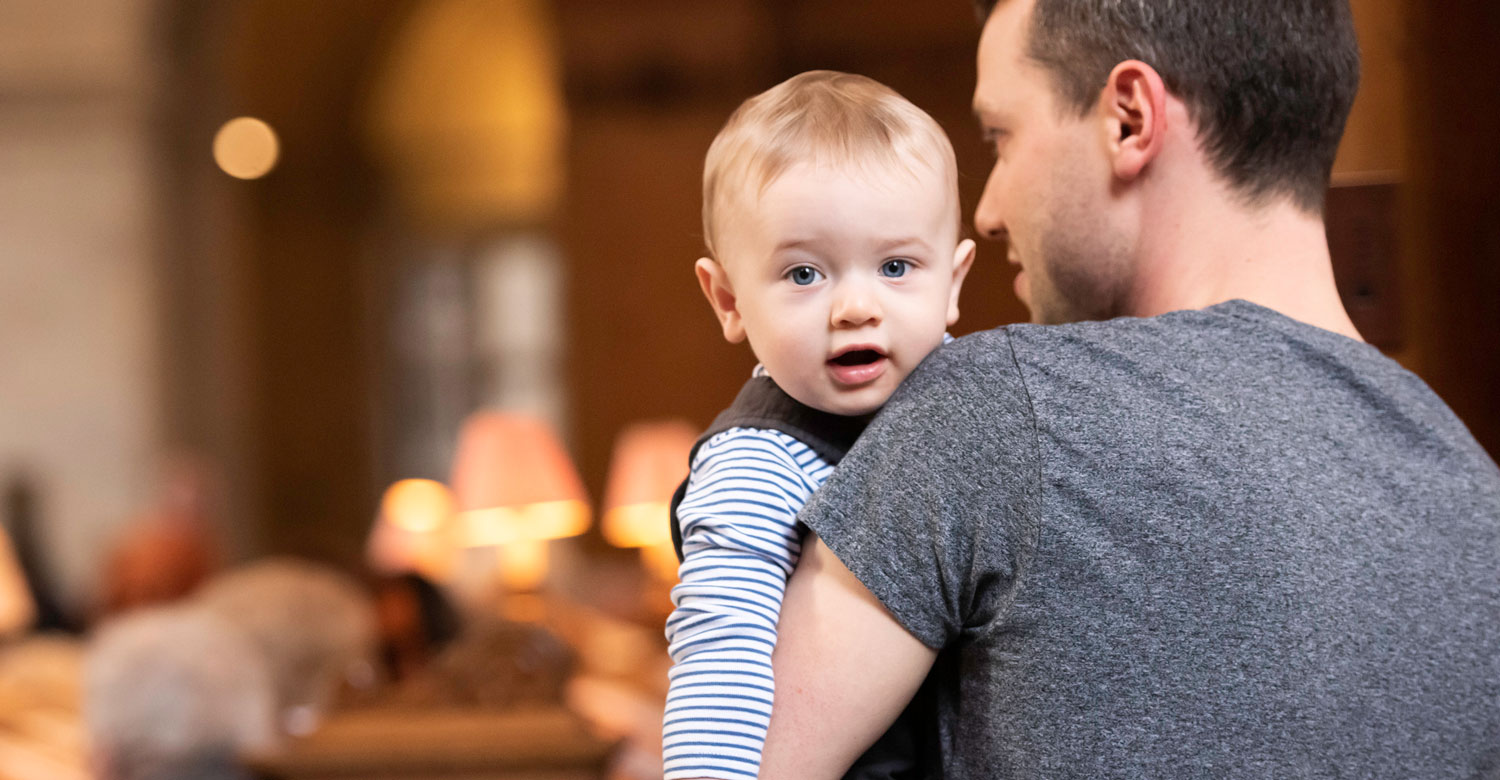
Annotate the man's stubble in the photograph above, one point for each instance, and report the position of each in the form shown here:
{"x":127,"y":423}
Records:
{"x":1084,"y":268}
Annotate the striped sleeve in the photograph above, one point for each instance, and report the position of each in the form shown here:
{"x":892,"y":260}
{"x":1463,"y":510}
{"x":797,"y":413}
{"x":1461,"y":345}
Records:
{"x":740,"y":544}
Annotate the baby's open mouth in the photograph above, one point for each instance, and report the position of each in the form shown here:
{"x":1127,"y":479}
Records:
{"x":857,"y":357}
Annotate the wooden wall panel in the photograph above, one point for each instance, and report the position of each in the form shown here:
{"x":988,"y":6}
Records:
{"x":1455,"y":233}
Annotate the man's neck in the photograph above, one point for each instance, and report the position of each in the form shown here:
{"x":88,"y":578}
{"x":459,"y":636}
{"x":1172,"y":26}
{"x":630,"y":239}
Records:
{"x":1204,"y":247}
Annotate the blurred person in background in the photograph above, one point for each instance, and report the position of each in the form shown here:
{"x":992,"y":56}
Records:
{"x":166,"y":552}
{"x":175,"y":693}
{"x":315,"y":626}
{"x":416,"y":622}
{"x":438,"y":657}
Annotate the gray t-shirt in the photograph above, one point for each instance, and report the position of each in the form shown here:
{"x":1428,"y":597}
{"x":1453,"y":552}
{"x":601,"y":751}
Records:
{"x":1214,"y":543}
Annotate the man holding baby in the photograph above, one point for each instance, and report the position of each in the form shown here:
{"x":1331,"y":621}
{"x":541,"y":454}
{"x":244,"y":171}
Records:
{"x":1190,"y":524}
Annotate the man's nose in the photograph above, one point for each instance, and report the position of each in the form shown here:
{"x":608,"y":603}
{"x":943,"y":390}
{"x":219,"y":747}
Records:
{"x":989,"y":220}
{"x":855,"y":304}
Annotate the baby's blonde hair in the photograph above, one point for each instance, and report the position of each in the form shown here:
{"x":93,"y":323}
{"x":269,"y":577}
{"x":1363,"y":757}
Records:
{"x":819,"y":117}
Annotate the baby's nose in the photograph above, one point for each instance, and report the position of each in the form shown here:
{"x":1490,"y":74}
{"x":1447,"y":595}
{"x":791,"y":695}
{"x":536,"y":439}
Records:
{"x":855,"y":305}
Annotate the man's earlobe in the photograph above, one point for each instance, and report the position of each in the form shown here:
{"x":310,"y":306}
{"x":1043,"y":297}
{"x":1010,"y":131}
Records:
{"x":1134,"y":101}
{"x":720,"y":295}
{"x":963,"y":259}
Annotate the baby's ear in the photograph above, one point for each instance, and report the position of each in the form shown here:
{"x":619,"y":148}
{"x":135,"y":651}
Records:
{"x":720,"y":295}
{"x":963,"y":259}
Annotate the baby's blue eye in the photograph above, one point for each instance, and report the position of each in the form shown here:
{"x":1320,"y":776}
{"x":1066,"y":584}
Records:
{"x":803,"y":275}
{"x":894,"y":269}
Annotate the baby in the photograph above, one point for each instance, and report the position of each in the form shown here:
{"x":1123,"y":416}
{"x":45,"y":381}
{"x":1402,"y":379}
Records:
{"x":831,"y":215}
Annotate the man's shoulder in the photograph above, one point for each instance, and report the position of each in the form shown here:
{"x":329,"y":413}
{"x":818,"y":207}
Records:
{"x":1006,"y":348}
{"x":1077,"y":340}
{"x":971,"y":384}
{"x":965,"y":361}
{"x":996,"y":365}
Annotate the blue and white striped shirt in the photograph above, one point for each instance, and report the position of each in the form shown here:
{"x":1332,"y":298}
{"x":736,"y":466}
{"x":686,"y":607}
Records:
{"x":740,"y":544}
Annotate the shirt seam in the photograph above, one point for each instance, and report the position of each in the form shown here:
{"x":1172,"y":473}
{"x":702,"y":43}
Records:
{"x":1026,"y":551}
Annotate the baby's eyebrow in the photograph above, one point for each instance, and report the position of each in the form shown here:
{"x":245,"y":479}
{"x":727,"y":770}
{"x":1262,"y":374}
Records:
{"x":897,"y":243}
{"x":794,"y":243}
{"x":883,"y":245}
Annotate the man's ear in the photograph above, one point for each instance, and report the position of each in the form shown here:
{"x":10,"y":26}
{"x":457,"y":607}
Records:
{"x":720,"y":295}
{"x":1134,"y":101}
{"x":963,"y":259}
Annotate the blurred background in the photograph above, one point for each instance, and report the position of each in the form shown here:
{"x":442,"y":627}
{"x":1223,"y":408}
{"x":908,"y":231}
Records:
{"x":285,"y":285}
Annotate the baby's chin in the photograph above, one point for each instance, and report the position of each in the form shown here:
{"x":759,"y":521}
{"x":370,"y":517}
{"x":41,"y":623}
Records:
{"x":849,"y":404}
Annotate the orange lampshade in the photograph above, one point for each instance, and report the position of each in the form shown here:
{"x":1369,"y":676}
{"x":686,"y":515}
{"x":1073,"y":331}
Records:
{"x":649,"y":461}
{"x":513,"y":482}
{"x":415,"y":530}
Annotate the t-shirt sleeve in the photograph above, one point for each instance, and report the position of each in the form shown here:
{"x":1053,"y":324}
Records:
{"x":935,"y":507}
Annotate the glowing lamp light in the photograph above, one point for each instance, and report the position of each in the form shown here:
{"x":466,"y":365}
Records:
{"x":417,"y":505}
{"x":649,"y":461}
{"x":246,"y":148}
{"x":638,"y":525}
{"x":529,"y":522}
{"x":516,"y":488}
{"x":523,"y":565}
{"x":414,"y":531}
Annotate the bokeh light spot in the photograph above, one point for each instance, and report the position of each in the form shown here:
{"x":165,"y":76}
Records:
{"x":246,"y":148}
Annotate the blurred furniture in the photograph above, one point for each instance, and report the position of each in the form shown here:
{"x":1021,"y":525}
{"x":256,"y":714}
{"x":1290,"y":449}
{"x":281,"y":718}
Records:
{"x":471,"y":744}
{"x":498,"y":665}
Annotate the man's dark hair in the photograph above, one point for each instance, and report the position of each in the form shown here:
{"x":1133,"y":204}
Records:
{"x":1269,"y":82}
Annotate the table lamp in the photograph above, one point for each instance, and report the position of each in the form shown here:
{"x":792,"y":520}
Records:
{"x":515,"y":489}
{"x":649,"y":461}
{"x":415,"y":531}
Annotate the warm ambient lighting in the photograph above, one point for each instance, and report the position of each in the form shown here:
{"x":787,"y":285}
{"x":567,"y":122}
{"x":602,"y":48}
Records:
{"x":545,"y":520}
{"x":649,"y":461}
{"x":523,"y":565}
{"x":417,"y":505}
{"x":467,"y":114}
{"x":638,"y":525}
{"x":246,"y":148}
{"x":414,"y":532}
{"x":516,"y":488}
